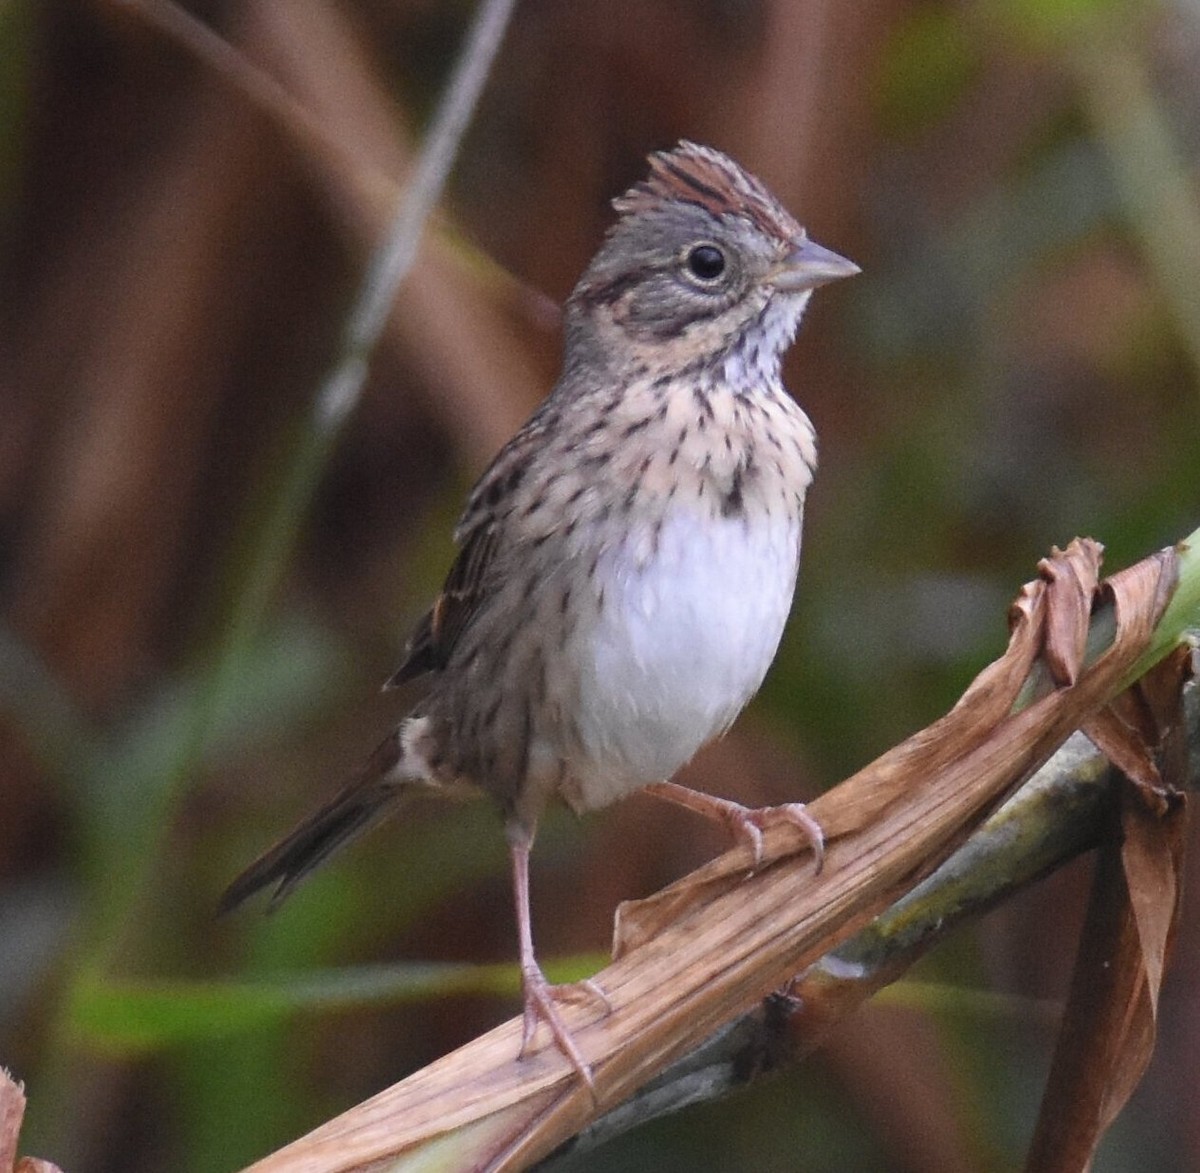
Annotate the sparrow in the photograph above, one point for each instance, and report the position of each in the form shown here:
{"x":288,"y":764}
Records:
{"x":627,"y":562}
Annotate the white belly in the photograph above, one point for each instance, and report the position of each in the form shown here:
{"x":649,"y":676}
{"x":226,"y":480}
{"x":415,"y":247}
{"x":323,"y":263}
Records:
{"x":682,"y":642}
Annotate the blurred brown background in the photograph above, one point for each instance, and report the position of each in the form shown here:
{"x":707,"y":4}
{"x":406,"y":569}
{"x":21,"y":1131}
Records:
{"x":182,"y":236}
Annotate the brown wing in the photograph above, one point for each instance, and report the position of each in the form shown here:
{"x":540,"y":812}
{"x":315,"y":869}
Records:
{"x":479,"y":531}
{"x":431,"y":643}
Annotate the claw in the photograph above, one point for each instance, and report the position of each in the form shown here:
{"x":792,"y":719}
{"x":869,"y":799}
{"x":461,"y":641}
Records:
{"x":753,"y":821}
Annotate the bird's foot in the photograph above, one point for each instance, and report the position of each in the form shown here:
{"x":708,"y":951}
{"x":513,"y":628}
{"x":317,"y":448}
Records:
{"x":747,"y":823}
{"x":540,"y":1005}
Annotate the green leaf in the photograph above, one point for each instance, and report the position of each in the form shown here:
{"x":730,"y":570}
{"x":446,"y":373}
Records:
{"x":133,"y":1017}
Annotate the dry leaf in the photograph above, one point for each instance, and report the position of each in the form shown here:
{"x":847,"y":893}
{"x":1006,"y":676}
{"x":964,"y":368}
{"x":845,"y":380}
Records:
{"x":12,"y":1112}
{"x":1108,"y":1032}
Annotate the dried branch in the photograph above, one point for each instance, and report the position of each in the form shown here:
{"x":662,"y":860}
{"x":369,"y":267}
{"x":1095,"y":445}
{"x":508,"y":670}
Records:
{"x":700,"y":953}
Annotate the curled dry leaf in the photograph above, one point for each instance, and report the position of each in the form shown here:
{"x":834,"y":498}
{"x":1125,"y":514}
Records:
{"x":704,"y":950}
{"x":1070,"y":579}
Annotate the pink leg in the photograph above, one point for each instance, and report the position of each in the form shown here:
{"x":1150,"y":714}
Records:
{"x":747,"y":823}
{"x":539,"y":993}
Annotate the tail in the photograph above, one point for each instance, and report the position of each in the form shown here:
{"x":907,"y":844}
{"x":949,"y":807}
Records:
{"x":374,"y":794}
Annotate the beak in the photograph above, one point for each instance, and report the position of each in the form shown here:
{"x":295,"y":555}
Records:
{"x":809,"y":265}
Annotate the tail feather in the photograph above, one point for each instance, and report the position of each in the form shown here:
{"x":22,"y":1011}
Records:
{"x":373,"y":795}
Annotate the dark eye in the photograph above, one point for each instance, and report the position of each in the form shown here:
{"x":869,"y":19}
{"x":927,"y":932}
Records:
{"x":706,"y":262}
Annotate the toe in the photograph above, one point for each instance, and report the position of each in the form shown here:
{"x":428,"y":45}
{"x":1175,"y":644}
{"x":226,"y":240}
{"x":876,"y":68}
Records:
{"x":540,"y":1005}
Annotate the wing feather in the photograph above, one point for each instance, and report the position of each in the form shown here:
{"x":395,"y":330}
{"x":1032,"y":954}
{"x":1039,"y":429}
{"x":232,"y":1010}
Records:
{"x":471,"y":578}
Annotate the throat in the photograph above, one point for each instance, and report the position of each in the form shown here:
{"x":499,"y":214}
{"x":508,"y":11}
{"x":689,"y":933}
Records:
{"x":754,"y":358}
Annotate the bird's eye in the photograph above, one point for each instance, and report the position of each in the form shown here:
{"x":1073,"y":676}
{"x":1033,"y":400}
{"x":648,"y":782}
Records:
{"x":706,"y":262}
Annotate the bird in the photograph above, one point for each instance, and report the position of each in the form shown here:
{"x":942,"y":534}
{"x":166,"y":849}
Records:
{"x":627,"y":562}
